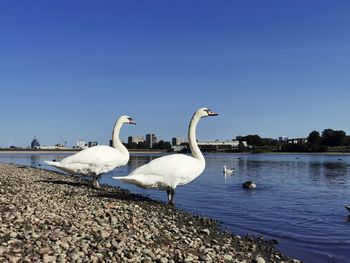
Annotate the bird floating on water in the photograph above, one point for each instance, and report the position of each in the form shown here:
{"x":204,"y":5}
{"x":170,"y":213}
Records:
{"x":347,"y":207}
{"x":96,"y":160}
{"x":249,"y":185}
{"x":228,"y":171}
{"x":168,"y":172}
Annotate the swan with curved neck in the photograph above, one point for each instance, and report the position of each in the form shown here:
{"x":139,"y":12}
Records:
{"x":97,"y":160}
{"x":168,"y":172}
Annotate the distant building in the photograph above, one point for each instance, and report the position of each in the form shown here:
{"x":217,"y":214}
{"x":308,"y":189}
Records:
{"x":81,"y":144}
{"x":177,"y":141}
{"x":214,"y":146}
{"x":282,"y":139}
{"x":297,"y":140}
{"x":35,"y":144}
{"x":135,"y":139}
{"x":49,"y":147}
{"x":151,"y":139}
{"x":178,"y":148}
{"x":90,"y":144}
{"x":60,"y":146}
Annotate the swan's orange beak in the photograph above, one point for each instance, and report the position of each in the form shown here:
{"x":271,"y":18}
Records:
{"x":212,"y":113}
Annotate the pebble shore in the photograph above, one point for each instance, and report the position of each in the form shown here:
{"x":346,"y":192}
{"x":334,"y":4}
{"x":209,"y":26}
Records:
{"x":47,"y":216}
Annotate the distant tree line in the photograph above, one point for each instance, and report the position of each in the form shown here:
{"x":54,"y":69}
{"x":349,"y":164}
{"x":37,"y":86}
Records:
{"x":315,"y":142}
{"x":256,"y":140}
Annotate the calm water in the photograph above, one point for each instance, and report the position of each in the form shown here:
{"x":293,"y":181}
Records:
{"x":299,"y":199}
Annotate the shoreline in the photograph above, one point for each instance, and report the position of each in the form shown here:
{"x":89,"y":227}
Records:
{"x":48,"y":216}
{"x":165,"y":152}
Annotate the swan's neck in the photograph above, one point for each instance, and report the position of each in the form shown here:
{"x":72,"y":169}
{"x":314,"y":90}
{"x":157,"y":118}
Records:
{"x":115,"y":138}
{"x":196,"y":152}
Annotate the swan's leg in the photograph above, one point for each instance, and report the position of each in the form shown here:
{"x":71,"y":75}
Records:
{"x":98,"y":180}
{"x":95,"y":181}
{"x":171,"y":193}
{"x":169,"y":196}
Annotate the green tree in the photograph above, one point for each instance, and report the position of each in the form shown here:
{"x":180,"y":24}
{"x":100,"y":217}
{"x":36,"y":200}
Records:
{"x":163,"y":145}
{"x":339,"y":138}
{"x":132,"y":145}
{"x":314,"y":138}
{"x":253,"y":140}
{"x":294,"y":147}
{"x":333,"y":138}
{"x":241,"y":146}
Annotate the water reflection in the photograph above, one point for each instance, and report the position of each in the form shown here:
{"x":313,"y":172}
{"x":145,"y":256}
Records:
{"x":333,"y":172}
{"x":139,"y":160}
{"x":34,"y":160}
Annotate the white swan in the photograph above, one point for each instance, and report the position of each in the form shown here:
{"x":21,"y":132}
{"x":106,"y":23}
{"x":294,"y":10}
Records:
{"x":96,"y":160}
{"x":228,"y":171}
{"x":168,"y":172}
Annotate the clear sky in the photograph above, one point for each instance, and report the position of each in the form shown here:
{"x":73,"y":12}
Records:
{"x":274,"y":68}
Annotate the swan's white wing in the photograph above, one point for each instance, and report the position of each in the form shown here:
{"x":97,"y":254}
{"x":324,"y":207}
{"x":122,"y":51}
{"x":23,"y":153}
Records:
{"x":96,"y":155}
{"x":94,"y":160}
{"x":166,"y":171}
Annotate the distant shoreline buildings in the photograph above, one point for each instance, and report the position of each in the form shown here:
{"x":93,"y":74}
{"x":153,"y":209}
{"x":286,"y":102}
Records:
{"x":81,"y":144}
{"x":177,"y":144}
{"x":149,"y":141}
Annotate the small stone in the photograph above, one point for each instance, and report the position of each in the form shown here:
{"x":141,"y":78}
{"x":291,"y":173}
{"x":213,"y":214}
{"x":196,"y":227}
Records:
{"x":205,"y":231}
{"x":13,"y":234}
{"x":99,"y":255}
{"x":104,"y":234}
{"x":259,"y":259}
{"x":129,"y":255}
{"x":44,"y":250}
{"x":228,"y":257}
{"x":13,"y":259}
{"x":202,"y":257}
{"x":49,"y":259}
{"x":75,"y":257}
{"x":253,"y":247}
{"x":163,"y":260}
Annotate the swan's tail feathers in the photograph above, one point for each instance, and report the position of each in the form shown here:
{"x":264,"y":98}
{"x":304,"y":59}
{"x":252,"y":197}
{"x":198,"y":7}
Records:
{"x":130,"y":180}
{"x":143,"y":181}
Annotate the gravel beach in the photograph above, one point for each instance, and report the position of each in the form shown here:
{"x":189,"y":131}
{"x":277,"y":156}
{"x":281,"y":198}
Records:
{"x":47,"y":216}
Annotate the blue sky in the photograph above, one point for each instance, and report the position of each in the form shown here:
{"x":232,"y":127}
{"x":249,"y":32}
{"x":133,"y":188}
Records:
{"x":274,"y":68}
